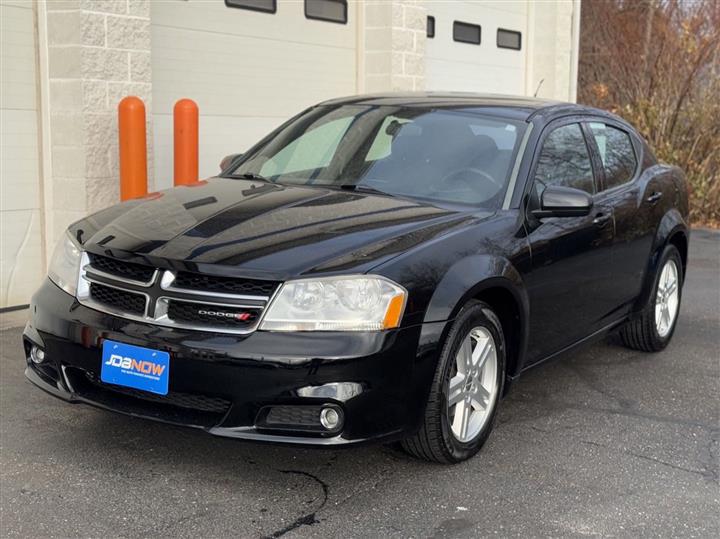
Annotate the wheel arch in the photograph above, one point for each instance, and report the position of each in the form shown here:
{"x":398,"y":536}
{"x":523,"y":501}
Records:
{"x":495,"y":281}
{"x":680,"y":240}
{"x":672,"y":230}
{"x":508,"y":309}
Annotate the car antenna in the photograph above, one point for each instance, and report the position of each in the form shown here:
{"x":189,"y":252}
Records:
{"x":538,"y":87}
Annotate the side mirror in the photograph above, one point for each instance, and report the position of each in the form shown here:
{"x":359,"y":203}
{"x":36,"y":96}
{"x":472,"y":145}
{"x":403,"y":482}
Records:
{"x":558,"y":201}
{"x":228,"y":160}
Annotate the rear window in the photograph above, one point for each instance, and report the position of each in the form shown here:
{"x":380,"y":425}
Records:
{"x":617,"y":154}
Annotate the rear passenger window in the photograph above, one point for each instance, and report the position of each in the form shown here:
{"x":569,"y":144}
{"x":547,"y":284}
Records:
{"x":564,"y":160}
{"x":617,"y":154}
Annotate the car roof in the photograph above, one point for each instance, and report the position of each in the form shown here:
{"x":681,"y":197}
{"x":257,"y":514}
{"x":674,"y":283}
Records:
{"x":516,"y":107}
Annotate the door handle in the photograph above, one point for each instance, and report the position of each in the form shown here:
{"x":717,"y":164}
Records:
{"x":652,"y":199}
{"x":601,"y":219}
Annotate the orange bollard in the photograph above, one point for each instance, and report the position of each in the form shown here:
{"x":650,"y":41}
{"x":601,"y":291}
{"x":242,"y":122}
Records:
{"x":133,"y":148}
{"x":185,"y":132}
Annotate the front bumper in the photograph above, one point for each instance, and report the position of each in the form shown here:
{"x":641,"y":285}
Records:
{"x":224,"y":384}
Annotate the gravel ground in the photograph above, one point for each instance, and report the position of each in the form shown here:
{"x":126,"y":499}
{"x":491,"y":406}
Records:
{"x":604,"y":442}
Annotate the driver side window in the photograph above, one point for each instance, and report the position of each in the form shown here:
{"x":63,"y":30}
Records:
{"x":565,"y":161}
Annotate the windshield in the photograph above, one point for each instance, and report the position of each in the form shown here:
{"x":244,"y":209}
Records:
{"x":444,"y":155}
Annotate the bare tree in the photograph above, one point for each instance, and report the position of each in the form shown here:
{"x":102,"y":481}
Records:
{"x":655,"y":62}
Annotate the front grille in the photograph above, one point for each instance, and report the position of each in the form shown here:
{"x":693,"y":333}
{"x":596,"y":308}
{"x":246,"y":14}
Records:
{"x":212,"y":315}
{"x":184,"y":300}
{"x":119,"y":268}
{"x":225,"y":285}
{"x":181,"y":408}
{"x":119,"y":300}
{"x":190,"y":401}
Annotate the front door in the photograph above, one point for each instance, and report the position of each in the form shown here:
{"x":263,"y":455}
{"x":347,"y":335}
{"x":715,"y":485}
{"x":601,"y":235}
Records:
{"x":571,"y":256}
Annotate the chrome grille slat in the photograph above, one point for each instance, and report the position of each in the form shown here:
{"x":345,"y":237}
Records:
{"x":160,"y":296}
{"x":224,"y":286}
{"x":125,"y":271}
{"x":167,"y":282}
{"x":111,"y":277}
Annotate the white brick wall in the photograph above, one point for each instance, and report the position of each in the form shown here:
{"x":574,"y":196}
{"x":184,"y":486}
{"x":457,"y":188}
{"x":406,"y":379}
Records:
{"x":98,"y":52}
{"x":394,"y":45}
{"x":552,"y":64}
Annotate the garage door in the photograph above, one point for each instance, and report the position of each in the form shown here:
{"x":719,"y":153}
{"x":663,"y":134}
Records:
{"x":456,"y":61}
{"x":21,"y":266}
{"x":248,"y":71}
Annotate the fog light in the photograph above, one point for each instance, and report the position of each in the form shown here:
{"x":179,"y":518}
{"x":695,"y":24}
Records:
{"x":37,"y":355}
{"x":330,"y":418}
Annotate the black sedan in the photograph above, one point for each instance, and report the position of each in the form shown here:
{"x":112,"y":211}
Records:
{"x":377,"y":268}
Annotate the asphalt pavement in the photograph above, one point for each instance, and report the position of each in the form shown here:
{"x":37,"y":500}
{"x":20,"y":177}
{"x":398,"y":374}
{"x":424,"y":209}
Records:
{"x":603,"y":442}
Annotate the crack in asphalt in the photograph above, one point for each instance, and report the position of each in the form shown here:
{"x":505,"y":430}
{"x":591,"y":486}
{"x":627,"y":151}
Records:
{"x":310,"y":518}
{"x":555,"y":405}
{"x":706,"y":472}
{"x":712,"y":464}
{"x":701,"y":473}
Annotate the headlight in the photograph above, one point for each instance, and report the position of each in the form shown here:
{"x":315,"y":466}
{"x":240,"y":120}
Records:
{"x":65,"y":264}
{"x":347,"y":303}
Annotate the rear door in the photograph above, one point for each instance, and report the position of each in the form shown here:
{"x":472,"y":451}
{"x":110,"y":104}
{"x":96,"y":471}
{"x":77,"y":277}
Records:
{"x":636,"y":202}
{"x":571,"y":256}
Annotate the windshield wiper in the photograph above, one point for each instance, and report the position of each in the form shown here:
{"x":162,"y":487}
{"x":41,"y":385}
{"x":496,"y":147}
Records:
{"x":356,"y":188}
{"x":251,"y":176}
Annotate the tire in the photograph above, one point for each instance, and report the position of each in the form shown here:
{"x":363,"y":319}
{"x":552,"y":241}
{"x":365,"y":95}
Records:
{"x":437,"y":439}
{"x":642,"y":331}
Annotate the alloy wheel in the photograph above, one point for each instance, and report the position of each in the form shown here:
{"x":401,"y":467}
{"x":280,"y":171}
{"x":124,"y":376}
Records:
{"x":473,"y":385}
{"x":667,"y":299}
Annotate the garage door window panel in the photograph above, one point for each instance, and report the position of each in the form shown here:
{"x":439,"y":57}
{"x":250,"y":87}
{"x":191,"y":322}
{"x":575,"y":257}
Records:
{"x":267,"y":6}
{"x":616,"y":153}
{"x":564,"y":161}
{"x":464,"y":32}
{"x":327,"y":10}
{"x":509,"y":39}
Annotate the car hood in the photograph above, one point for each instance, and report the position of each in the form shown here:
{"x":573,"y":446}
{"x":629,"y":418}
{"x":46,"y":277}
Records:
{"x":257,"y":229}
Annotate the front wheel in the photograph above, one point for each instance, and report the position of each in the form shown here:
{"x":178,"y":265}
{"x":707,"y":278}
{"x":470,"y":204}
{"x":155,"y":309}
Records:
{"x":466,"y":388}
{"x":653,"y":328}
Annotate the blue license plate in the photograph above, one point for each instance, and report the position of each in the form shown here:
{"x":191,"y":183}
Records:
{"x":135,"y":366}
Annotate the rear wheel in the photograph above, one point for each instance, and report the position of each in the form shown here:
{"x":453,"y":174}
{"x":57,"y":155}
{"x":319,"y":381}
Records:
{"x":467,"y":385}
{"x":653,"y":328}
